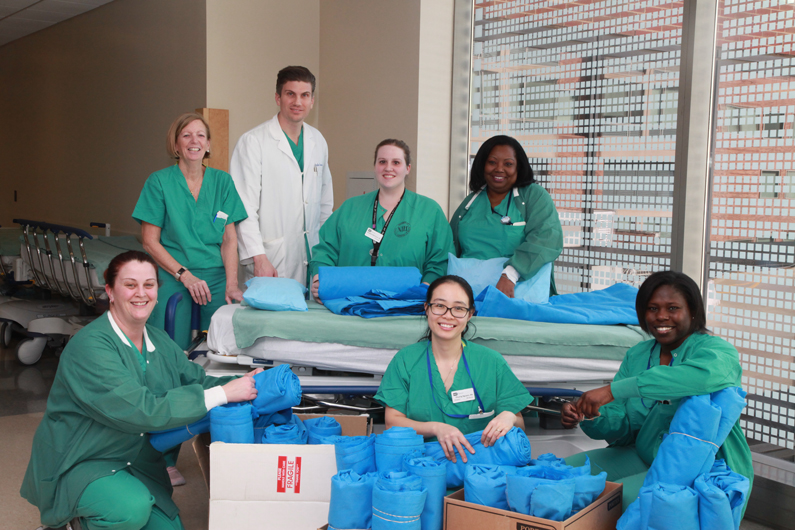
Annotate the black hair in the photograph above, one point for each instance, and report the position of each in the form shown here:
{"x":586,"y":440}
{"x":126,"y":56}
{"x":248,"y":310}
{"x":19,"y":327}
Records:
{"x":294,"y":73}
{"x":524,"y":173}
{"x":450,"y":278}
{"x":684,"y":285}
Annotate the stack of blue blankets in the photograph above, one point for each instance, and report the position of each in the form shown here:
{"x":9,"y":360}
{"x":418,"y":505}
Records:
{"x":686,"y":488}
{"x":371,"y":292}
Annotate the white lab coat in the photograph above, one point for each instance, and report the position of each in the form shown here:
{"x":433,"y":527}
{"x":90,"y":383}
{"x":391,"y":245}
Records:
{"x":268,"y":180}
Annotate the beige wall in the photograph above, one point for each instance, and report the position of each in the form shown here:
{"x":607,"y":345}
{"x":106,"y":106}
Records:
{"x":86,"y":104}
{"x":369,"y":54}
{"x":248,"y":42}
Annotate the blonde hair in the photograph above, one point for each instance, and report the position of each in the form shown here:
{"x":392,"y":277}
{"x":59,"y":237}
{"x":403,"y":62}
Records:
{"x":176,"y":128}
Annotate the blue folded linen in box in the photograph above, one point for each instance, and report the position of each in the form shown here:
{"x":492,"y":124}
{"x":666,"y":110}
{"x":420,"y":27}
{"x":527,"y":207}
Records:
{"x":232,"y":423}
{"x":398,"y":501}
{"x":278,"y":389}
{"x":322,"y":427}
{"x":351,"y":505}
{"x":354,"y":452}
{"x":275,"y":294}
{"x":434,"y":480}
{"x":294,"y":433}
{"x":392,"y":444}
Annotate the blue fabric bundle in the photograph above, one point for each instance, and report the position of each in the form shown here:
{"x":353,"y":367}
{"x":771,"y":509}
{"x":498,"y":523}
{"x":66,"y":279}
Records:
{"x":342,"y":282}
{"x":549,"y":459}
{"x":485,"y":485}
{"x":480,"y":273}
{"x":614,"y":305}
{"x":277,"y":389}
{"x":513,"y":449}
{"x":393,"y":444}
{"x":290,"y":433}
{"x":322,"y":427}
{"x":165,"y":440}
{"x":587,"y":487}
{"x":721,"y":497}
{"x":356,"y":453}
{"x":398,"y":501}
{"x":540,"y":497}
{"x":277,"y":418}
{"x":232,"y":423}
{"x":351,"y":503}
{"x":668,"y":507}
{"x":380,"y":303}
{"x":275,"y":294}
{"x":433,"y":475}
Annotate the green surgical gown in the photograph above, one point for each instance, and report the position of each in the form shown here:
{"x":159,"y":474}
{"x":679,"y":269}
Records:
{"x":190,"y":230}
{"x":478,"y":232}
{"x":701,"y":365}
{"x":105,"y":398}
{"x":418,"y":236}
{"x":406,"y":387}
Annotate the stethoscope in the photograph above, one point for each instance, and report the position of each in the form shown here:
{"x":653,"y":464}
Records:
{"x":480,"y":414}
{"x":651,"y":354}
{"x":505,"y":219}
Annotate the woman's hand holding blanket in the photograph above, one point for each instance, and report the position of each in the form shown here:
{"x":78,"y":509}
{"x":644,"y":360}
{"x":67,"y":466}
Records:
{"x":450,"y":438}
{"x":241,"y":389}
{"x":497,"y":428}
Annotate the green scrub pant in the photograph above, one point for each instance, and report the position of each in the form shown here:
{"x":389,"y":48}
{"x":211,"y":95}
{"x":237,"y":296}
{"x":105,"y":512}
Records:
{"x":121,"y":502}
{"x":216,"y":281}
{"x":622,"y":464}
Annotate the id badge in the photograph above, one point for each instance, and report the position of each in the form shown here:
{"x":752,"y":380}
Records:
{"x":481,"y":415}
{"x":461,"y":396}
{"x":375,"y":236}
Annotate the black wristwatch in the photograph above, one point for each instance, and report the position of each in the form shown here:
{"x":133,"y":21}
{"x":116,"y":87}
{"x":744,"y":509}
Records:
{"x":180,"y":272}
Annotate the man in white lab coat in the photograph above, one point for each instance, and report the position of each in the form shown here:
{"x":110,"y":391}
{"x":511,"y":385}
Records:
{"x":281,"y":172}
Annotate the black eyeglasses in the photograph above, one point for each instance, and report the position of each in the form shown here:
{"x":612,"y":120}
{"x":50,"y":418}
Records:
{"x":441,"y":310}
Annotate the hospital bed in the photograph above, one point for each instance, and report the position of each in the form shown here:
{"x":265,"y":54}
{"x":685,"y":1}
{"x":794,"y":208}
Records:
{"x":68,"y":262}
{"x":547,"y":357}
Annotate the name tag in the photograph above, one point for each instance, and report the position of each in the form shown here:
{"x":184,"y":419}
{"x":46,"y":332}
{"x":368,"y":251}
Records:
{"x":375,"y":236}
{"x":460,"y":396}
{"x":481,"y":415}
{"x":520,"y":223}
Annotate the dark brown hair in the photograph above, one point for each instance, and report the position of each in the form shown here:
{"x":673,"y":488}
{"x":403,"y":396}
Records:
{"x":115,"y":265}
{"x":397,"y":143}
{"x":294,"y":73}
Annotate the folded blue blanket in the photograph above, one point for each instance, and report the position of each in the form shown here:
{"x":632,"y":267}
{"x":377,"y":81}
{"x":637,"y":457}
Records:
{"x":165,"y":440}
{"x":322,"y":427}
{"x":281,"y":417}
{"x":277,"y":389}
{"x":380,"y":303}
{"x":485,"y":485}
{"x":668,"y":507}
{"x":540,"y":497}
{"x":393,"y":444}
{"x":722,"y":494}
{"x":342,"y":282}
{"x":290,"y":433}
{"x":351,"y":503}
{"x":434,"y":480}
{"x":232,"y":424}
{"x":356,"y":453}
{"x":398,"y":501}
{"x":513,"y":449}
{"x":614,"y":305}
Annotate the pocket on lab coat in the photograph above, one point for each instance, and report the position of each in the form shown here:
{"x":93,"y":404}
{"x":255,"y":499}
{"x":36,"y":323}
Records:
{"x":276,"y":252}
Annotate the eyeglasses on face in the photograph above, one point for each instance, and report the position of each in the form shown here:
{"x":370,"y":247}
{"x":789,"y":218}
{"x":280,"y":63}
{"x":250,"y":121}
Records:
{"x":441,"y":310}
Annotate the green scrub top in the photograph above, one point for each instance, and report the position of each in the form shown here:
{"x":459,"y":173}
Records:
{"x":417,"y":236}
{"x":297,"y":148}
{"x":101,"y":406}
{"x":405,"y":387}
{"x":478,"y":232}
{"x":701,"y":365}
{"x":191,"y":230}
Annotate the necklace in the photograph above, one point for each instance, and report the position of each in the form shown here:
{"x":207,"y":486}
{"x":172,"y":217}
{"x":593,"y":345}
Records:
{"x":450,"y":371}
{"x":194,"y":190}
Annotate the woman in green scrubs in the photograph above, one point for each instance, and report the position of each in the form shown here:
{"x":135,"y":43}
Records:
{"x":507,"y":215}
{"x":390,"y":227}
{"x":117,"y":380}
{"x":445,"y":387}
{"x":634,"y":412}
{"x":188,"y":214}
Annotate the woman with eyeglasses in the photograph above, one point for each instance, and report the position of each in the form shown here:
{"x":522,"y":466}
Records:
{"x":507,"y":215}
{"x":445,"y":387}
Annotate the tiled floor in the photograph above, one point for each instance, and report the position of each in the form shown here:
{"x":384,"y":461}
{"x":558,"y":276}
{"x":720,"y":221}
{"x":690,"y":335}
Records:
{"x":23,"y":395}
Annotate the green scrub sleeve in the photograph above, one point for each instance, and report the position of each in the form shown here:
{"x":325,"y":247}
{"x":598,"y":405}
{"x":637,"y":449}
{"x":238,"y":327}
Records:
{"x":394,"y":390}
{"x":712,"y":366}
{"x":440,"y":244}
{"x":232,"y":205}
{"x":543,"y":241}
{"x":327,"y":252}
{"x":113,"y":394}
{"x":454,"y":220}
{"x":612,"y":424}
{"x":151,"y":206}
{"x":512,"y":396}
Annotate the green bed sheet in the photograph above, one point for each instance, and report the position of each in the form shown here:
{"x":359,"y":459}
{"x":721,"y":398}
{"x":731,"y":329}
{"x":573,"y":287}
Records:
{"x":509,"y":337}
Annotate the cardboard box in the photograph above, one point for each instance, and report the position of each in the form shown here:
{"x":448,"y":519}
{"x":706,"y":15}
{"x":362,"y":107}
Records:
{"x":262,"y":486}
{"x":602,"y":514}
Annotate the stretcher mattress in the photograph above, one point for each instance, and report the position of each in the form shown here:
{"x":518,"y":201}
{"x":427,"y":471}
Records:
{"x":539,"y":353}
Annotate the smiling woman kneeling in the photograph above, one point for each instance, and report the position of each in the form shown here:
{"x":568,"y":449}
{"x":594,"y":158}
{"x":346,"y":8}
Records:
{"x":634,"y":412}
{"x":445,"y":387}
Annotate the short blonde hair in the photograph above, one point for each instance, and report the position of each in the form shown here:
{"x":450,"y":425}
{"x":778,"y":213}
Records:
{"x":176,"y":128}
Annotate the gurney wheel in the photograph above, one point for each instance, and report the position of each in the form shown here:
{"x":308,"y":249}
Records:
{"x":29,"y":350}
{"x":5,"y":334}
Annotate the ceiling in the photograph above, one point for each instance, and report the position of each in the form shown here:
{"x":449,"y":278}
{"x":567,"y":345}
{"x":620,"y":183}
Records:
{"x":23,"y":17}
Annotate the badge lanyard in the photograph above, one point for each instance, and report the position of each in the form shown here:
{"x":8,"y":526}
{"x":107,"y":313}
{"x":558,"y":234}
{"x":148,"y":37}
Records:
{"x":377,"y":244}
{"x":505,"y":219}
{"x":481,"y":413}
{"x":651,"y":352}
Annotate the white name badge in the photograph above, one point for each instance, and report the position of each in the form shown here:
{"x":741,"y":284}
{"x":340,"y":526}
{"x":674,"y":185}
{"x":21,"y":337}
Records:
{"x":375,"y":236}
{"x":481,"y":415}
{"x":460,"y":396}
